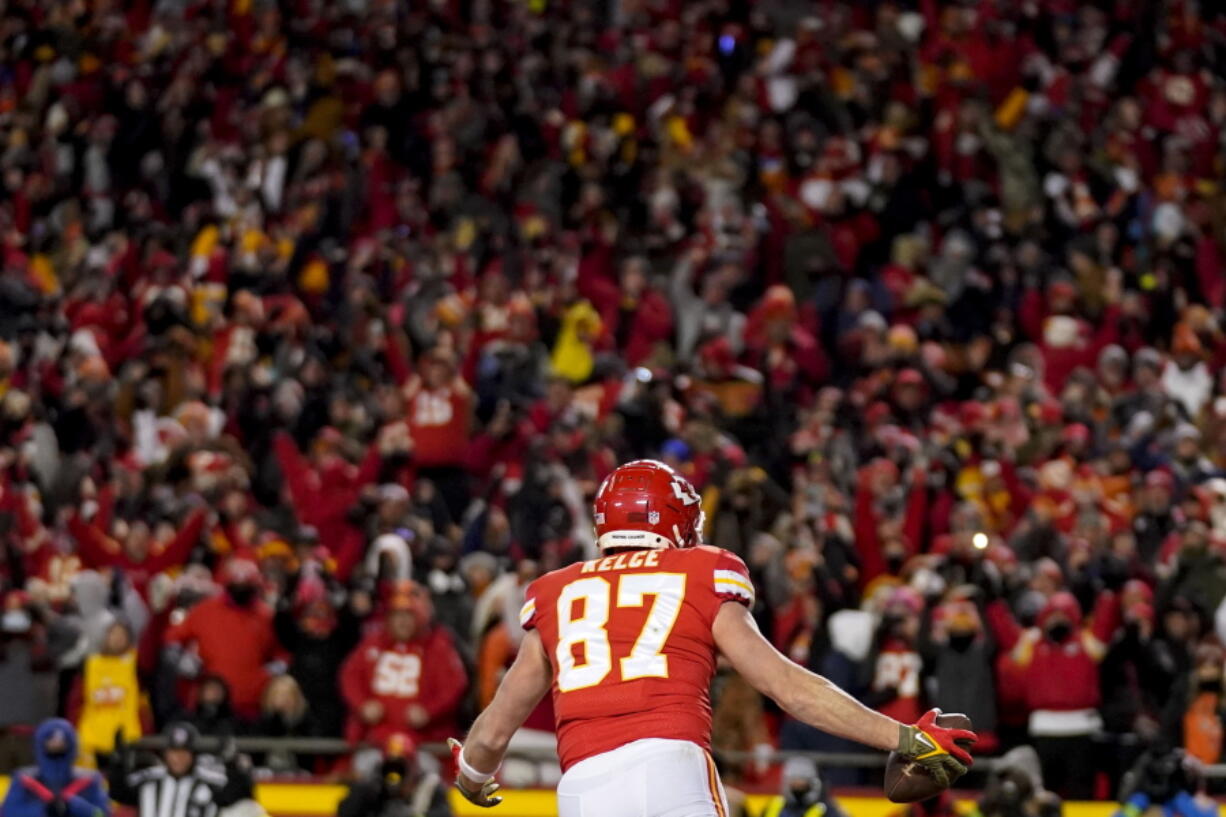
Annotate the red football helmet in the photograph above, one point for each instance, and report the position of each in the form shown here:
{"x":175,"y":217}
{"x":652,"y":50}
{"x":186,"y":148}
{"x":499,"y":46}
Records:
{"x":646,"y":504}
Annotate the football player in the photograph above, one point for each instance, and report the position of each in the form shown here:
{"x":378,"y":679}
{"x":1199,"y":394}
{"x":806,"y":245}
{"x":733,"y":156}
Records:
{"x":628,"y":642}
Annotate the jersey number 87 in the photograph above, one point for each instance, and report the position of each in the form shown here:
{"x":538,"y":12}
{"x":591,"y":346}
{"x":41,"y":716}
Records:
{"x":646,"y":658}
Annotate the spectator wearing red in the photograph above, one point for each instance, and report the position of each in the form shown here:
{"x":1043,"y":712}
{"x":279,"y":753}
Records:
{"x":407,"y":675}
{"x":323,"y":489}
{"x":882,"y":498}
{"x":135,"y":553}
{"x":636,"y":316}
{"x":439,"y":405}
{"x":1057,"y":666}
{"x":781,"y":346}
{"x":894,"y":665}
{"x":232,"y":635}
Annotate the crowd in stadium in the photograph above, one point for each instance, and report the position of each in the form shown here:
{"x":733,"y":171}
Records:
{"x":323,"y":321}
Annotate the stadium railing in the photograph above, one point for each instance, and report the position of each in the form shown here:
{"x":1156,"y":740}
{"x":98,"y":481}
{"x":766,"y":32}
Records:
{"x":336,"y":746}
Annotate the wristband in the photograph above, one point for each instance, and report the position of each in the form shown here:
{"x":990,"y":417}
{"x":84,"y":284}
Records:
{"x":472,"y":774}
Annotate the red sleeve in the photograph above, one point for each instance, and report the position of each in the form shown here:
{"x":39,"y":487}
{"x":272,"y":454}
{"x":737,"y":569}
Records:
{"x":331,"y":506}
{"x":1004,"y":626}
{"x":865,"y":526}
{"x":601,"y":291}
{"x":596,"y":275}
{"x":1108,"y":330}
{"x":917,"y":512}
{"x":1169,"y":548}
{"x":730,"y":581}
{"x":238,"y":544}
{"x":1019,"y":494}
{"x":355,"y":676}
{"x":221,"y":343}
{"x":397,"y":359}
{"x":479,"y":458}
{"x":106,"y":508}
{"x":1030,"y":314}
{"x":294,"y":469}
{"x":176,"y":553}
{"x":444,"y":679}
{"x":368,"y":470}
{"x":127,"y":347}
{"x":656,"y":315}
{"x":94,"y":547}
{"x":789,"y":620}
{"x":939,"y":513}
{"x":1106,"y":616}
{"x":28,"y":523}
{"x":348,"y":551}
{"x":812,"y":361}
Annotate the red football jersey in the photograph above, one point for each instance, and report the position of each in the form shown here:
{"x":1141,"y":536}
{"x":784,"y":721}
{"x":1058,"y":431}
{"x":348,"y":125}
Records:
{"x":439,"y":424}
{"x":629,"y":637}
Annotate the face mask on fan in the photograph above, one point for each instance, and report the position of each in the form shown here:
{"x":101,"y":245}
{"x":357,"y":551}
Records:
{"x":241,"y":594}
{"x":1060,"y":632}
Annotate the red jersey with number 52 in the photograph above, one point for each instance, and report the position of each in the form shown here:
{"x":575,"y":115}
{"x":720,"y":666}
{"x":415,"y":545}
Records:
{"x":629,"y":637}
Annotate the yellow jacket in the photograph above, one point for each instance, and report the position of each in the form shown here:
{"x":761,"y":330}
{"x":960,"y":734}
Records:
{"x":572,"y":351}
{"x":110,"y":702}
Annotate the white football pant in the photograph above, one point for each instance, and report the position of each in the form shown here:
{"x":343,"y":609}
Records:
{"x":653,"y":777}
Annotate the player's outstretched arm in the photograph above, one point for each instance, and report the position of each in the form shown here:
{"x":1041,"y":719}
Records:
{"x":804,"y":695}
{"x":812,"y":699}
{"x":522,"y":688}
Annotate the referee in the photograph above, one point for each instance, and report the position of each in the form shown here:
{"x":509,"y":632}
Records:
{"x":179,"y":785}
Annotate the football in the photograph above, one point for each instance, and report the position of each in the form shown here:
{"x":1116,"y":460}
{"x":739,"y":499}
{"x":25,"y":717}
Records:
{"x":906,"y":781}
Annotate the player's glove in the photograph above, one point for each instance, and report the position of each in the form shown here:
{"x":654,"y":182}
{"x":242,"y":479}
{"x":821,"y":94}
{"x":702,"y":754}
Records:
{"x":484,"y":794}
{"x":935,"y":748}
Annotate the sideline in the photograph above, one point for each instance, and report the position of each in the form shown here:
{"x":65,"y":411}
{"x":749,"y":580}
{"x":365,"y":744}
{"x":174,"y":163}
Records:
{"x":320,"y":800}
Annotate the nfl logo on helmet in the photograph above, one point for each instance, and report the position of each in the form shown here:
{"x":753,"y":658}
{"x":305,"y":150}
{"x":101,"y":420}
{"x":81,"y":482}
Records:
{"x":653,"y":517}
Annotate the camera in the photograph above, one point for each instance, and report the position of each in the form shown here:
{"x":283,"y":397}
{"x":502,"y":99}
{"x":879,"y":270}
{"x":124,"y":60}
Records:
{"x":1015,"y":788}
{"x":1161,"y":773}
{"x":1165,"y":774}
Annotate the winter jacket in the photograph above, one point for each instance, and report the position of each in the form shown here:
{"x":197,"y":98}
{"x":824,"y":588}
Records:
{"x":314,"y":662}
{"x":1057,"y":677}
{"x":110,"y":701}
{"x":1136,"y":679}
{"x":212,"y":626}
{"x":322,"y":498}
{"x":426,"y":671}
{"x":34,"y":792}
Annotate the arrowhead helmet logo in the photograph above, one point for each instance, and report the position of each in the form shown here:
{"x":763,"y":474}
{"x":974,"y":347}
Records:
{"x":685,"y":492}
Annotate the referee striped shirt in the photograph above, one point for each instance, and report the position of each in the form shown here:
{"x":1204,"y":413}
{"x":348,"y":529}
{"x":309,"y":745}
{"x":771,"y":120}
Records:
{"x":157,"y":793}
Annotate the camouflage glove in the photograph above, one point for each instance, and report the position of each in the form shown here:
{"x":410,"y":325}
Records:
{"x":935,"y":748}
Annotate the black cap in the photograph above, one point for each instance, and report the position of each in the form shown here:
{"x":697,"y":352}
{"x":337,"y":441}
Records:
{"x":181,"y":735}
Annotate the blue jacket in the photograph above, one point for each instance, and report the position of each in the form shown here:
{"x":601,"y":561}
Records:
{"x":33,"y":789}
{"x":1182,"y":804}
